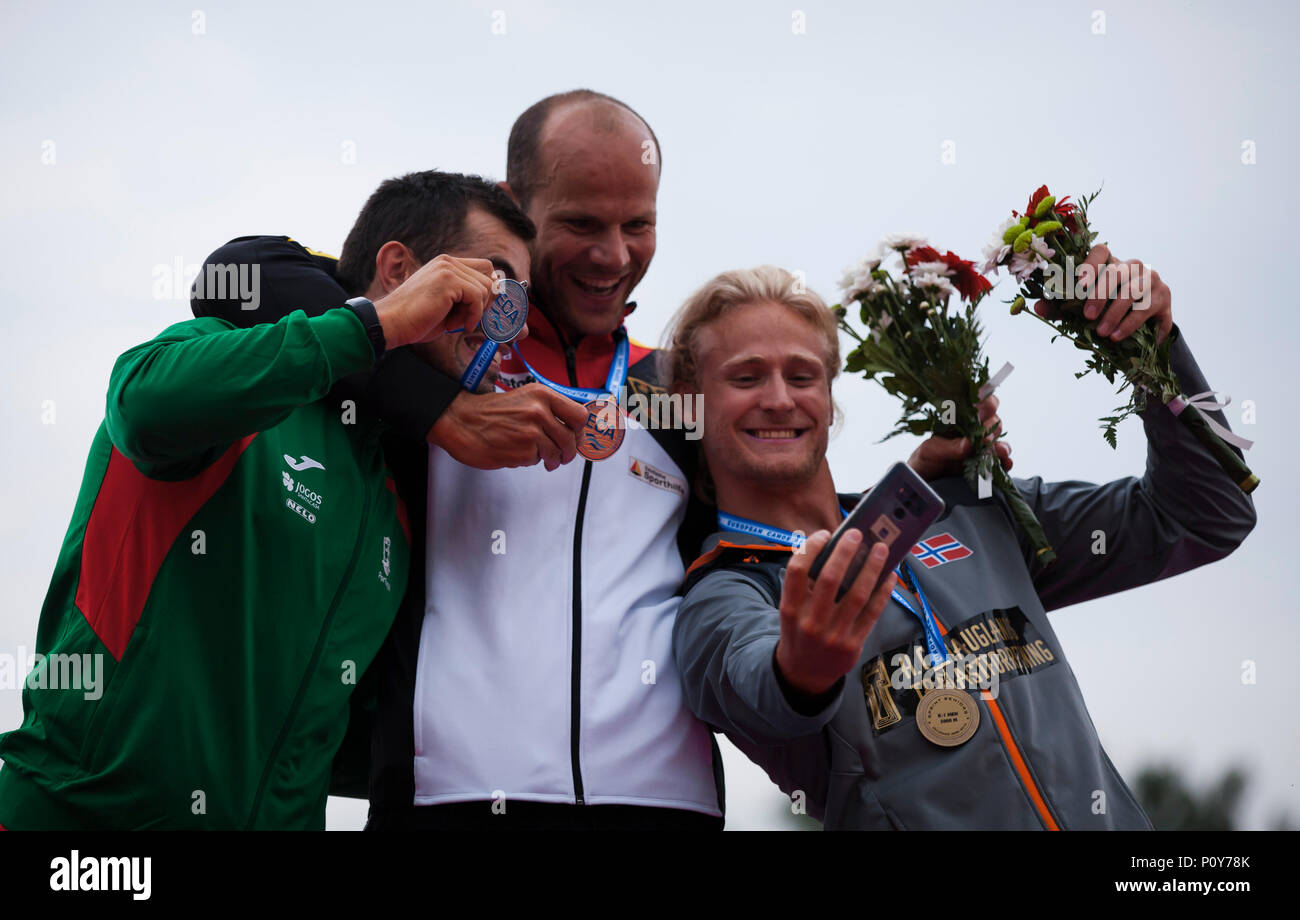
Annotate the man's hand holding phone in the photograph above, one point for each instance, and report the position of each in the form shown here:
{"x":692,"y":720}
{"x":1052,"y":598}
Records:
{"x":821,"y":638}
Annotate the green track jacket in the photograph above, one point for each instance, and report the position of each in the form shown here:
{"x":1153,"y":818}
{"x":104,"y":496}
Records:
{"x":235,"y":559}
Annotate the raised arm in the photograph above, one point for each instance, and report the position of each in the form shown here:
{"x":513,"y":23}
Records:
{"x":1184,"y":512}
{"x":404,"y":391}
{"x":183,"y":397}
{"x":202,"y":384}
{"x":417,"y":400}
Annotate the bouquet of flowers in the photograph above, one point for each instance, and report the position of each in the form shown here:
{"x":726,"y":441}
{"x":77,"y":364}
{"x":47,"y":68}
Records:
{"x":931,"y":357}
{"x":1042,"y":248}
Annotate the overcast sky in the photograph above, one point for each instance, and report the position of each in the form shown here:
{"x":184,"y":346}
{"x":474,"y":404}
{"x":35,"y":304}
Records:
{"x":137,"y":135}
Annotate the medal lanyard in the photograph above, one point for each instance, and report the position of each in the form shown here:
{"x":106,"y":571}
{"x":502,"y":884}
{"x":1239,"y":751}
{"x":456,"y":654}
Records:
{"x":473,"y":375}
{"x":614,"y":380}
{"x":755,"y":529}
{"x":772,"y":534}
{"x":934,"y":642}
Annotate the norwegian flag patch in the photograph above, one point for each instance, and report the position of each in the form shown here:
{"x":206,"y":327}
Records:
{"x":940,"y":548}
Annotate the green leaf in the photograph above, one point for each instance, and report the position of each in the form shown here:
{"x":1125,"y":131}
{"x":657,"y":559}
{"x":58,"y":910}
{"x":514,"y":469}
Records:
{"x":871,"y":368}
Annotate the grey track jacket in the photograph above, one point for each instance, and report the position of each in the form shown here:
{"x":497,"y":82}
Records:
{"x":1035,"y":760}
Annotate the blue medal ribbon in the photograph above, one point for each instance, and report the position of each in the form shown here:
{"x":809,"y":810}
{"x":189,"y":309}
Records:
{"x":473,"y":375}
{"x":933,"y":641}
{"x":614,"y":380}
{"x":755,"y":529}
{"x":767,"y":532}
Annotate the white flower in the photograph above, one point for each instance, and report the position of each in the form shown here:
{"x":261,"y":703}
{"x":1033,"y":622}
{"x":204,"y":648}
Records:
{"x":874,"y":288}
{"x":933,"y":282}
{"x":902,"y":242}
{"x":867,"y":287}
{"x":997,"y":250}
{"x":994,"y":253}
{"x":1002,"y":230}
{"x":1024,"y":264}
{"x":941,"y":269}
{"x":857,"y":280}
{"x":854,"y":274}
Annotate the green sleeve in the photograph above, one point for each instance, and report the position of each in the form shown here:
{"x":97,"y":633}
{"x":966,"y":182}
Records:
{"x":176,"y":402}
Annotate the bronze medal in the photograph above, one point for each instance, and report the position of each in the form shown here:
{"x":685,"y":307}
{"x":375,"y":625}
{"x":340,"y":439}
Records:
{"x":947,"y":717}
{"x":603,"y":433}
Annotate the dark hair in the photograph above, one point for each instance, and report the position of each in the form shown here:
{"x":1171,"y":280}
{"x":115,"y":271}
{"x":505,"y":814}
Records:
{"x":424,"y":211}
{"x":523,"y":156}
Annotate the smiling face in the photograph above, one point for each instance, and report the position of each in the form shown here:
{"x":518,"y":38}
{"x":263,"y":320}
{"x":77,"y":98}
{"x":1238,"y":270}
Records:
{"x":482,"y":237}
{"x":762,"y":372}
{"x":595,"y":213}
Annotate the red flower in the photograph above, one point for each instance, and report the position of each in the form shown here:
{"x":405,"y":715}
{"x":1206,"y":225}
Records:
{"x":1035,"y":198}
{"x":1067,"y":214}
{"x":922,"y":254}
{"x":968,"y":282}
{"x":1064,"y":210}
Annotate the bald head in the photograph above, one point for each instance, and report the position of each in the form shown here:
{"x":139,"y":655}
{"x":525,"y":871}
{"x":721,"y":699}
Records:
{"x":528,"y":163}
{"x":585,"y":168}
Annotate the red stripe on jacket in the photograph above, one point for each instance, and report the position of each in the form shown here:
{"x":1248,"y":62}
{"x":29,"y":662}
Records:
{"x":401,"y":507}
{"x":133,"y":525}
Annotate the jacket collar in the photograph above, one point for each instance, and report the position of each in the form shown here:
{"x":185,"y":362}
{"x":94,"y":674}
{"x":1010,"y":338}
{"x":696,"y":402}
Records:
{"x":547,"y":333}
{"x":549,"y":350}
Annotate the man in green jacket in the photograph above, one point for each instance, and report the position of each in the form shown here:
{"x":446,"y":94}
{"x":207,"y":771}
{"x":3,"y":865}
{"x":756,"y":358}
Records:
{"x":237,"y":551}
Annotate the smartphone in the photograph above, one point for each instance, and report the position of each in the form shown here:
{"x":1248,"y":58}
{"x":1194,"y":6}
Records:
{"x":895,"y":512}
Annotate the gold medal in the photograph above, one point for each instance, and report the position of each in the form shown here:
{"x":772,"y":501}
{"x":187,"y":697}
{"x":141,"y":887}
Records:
{"x":947,"y":717}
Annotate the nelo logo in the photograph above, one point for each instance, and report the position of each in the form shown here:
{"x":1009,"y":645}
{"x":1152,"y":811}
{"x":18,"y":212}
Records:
{"x":294,"y":506}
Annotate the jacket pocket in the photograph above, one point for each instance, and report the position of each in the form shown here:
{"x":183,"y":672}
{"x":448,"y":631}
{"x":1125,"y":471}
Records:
{"x":852,"y":805}
{"x":110,"y":699}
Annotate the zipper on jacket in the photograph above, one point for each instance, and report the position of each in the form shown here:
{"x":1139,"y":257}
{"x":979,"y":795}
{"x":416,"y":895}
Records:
{"x":1017,"y":757}
{"x":575,"y":685}
{"x":575,"y":658}
{"x":570,"y":361}
{"x":1020,"y":763}
{"x":314,"y":660}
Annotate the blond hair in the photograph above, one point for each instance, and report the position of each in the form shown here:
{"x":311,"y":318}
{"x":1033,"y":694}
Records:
{"x":730,"y":290}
